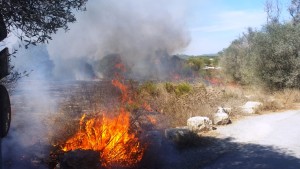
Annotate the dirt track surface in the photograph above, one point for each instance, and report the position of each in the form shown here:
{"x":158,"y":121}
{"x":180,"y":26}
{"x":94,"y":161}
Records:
{"x":270,"y":141}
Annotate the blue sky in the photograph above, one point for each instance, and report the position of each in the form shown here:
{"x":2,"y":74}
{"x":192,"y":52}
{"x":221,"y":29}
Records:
{"x":213,"y":24}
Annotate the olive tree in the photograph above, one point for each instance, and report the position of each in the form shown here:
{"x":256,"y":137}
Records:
{"x":34,"y":21}
{"x":277,"y":48}
{"x":269,"y":56}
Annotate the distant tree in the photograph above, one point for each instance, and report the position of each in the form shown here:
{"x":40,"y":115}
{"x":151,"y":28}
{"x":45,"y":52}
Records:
{"x":33,"y":21}
{"x":196,"y":63}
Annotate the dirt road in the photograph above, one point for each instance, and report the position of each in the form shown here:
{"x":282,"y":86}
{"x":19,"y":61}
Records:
{"x":270,"y":141}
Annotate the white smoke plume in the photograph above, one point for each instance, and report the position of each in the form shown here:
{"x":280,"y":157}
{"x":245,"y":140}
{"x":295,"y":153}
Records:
{"x":139,"y":31}
{"x":136,"y":30}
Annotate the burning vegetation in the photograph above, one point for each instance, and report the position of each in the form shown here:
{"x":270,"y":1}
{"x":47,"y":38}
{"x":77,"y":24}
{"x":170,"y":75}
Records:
{"x":111,"y":137}
{"x":112,"y":134}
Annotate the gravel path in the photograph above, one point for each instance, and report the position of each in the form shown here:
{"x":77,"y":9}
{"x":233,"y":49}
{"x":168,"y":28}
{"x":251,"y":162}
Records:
{"x":270,"y":141}
{"x":280,"y":130}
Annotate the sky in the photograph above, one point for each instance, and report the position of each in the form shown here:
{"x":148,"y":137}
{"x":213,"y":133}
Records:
{"x":214,"y":24}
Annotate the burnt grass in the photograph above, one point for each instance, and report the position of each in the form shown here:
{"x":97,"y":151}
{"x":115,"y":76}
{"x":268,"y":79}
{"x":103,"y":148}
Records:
{"x":212,"y":153}
{"x":207,"y":153}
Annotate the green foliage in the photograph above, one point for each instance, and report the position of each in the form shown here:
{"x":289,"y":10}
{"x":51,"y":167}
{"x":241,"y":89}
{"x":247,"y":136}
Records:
{"x":196,"y":63}
{"x":199,"y":62}
{"x":268,"y":57}
{"x":170,"y":87}
{"x":39,"y":19}
{"x":183,"y":88}
{"x":278,"y":47}
{"x":150,"y":88}
{"x":178,"y":89}
{"x":237,"y":60}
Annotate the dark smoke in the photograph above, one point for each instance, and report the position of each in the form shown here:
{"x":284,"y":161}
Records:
{"x":139,"y":31}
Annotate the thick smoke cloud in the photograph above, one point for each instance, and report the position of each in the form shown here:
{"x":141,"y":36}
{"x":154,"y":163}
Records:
{"x":136,"y":30}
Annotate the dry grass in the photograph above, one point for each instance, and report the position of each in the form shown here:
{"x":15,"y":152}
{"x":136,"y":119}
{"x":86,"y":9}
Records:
{"x":175,"y":101}
{"x":275,"y":100}
{"x":180,"y":101}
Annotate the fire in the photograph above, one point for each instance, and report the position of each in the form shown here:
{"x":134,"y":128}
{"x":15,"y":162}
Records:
{"x":111,"y":137}
{"x":124,"y":90}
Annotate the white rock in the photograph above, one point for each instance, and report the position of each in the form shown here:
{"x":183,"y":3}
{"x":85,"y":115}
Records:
{"x":251,"y":107}
{"x":221,"y":117}
{"x":227,"y":110}
{"x":199,"y":123}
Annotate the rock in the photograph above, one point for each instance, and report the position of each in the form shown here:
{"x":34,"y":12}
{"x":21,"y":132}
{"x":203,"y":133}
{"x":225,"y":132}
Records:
{"x":251,"y":107}
{"x":221,"y":117}
{"x":199,"y":123}
{"x":227,"y":110}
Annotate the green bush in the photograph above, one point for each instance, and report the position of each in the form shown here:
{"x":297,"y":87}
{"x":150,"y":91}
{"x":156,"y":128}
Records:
{"x":183,"y":88}
{"x":150,"y":88}
{"x":178,"y":89}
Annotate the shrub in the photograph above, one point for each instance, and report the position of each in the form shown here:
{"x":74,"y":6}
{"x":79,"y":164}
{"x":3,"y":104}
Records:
{"x":183,"y":88}
{"x":150,"y":88}
{"x":169,"y":87}
{"x":179,"y":89}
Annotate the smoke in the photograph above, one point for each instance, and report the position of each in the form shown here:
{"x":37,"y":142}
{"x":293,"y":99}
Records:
{"x":136,"y":30}
{"x":31,"y":104}
{"x":140,"y":32}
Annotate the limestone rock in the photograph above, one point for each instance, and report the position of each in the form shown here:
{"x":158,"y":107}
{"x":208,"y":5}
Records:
{"x":199,"y":123}
{"x":221,"y":117}
{"x":251,"y":107}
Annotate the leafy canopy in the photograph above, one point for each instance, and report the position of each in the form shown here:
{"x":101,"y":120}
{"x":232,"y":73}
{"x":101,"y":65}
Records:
{"x":33,"y":21}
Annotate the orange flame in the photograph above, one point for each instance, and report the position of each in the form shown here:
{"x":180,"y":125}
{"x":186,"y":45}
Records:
{"x":109,"y":136}
{"x":124,"y":90}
